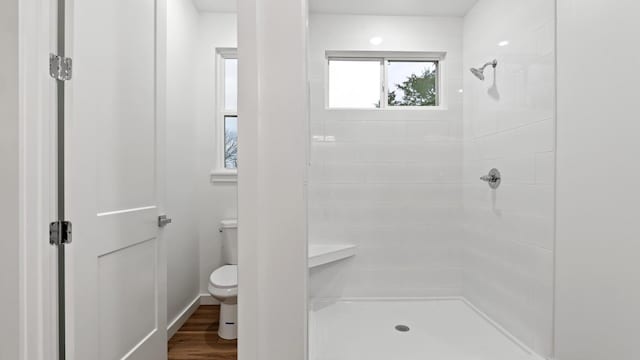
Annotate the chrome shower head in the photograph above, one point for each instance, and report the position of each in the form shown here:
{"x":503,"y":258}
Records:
{"x":479,"y":72}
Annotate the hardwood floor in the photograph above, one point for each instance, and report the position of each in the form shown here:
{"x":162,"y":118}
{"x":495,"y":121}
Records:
{"x":198,"y":338}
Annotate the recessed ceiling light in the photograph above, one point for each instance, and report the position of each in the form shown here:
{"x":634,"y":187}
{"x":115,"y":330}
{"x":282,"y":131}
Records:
{"x":503,"y":43}
{"x":376,"y":40}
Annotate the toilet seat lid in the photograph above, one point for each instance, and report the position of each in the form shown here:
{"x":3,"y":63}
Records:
{"x":225,"y":277}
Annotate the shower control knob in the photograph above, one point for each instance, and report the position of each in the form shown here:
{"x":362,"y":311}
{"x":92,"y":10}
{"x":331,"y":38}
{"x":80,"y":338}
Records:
{"x":493,"y":178}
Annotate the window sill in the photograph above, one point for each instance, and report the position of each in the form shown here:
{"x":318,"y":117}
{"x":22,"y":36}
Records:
{"x":392,"y":108}
{"x":223,"y":176}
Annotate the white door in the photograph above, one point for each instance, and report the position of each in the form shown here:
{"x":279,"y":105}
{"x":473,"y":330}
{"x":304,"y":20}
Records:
{"x":116,"y":283}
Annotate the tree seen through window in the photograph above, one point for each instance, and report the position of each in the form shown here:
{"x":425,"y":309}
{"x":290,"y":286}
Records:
{"x":412,"y":83}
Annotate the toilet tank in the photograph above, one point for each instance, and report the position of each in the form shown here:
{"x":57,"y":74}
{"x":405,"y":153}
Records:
{"x":229,"y":229}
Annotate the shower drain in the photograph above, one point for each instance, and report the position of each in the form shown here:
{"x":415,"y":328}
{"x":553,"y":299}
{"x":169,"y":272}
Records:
{"x":402,"y":328}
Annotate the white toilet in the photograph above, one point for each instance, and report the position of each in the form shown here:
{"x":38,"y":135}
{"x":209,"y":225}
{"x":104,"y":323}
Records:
{"x":223,"y":282}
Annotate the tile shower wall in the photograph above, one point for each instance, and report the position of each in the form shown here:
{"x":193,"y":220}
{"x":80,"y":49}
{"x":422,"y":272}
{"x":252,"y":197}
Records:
{"x":388,"y":181}
{"x":509,"y":124}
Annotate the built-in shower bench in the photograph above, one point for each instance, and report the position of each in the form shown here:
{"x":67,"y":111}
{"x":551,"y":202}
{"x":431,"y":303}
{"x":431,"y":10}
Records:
{"x":325,"y":254}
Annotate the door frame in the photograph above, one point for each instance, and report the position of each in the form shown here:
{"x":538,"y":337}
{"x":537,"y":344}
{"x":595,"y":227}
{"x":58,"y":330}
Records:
{"x":37,"y":258}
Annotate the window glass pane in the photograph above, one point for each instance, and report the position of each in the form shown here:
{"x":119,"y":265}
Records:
{"x":230,"y":142}
{"x":412,"y":83}
{"x":354,"y":84}
{"x":230,"y":84}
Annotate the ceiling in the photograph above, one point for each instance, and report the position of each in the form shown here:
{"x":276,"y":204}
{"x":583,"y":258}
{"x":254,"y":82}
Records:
{"x":365,"y":7}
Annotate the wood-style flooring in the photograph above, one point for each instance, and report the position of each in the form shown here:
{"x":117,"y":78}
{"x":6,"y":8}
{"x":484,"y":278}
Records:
{"x":198,"y":338}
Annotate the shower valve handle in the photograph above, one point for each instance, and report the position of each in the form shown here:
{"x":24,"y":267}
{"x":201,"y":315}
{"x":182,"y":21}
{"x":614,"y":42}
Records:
{"x":493,"y":178}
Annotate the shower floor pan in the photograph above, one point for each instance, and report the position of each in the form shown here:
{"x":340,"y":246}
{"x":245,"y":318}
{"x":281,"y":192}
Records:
{"x":449,"y":329}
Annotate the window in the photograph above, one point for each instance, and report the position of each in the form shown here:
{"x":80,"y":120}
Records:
{"x":354,"y":83}
{"x":227,"y":115}
{"x":371,"y":81}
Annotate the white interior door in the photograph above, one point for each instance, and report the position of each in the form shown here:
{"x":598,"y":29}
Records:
{"x":116,"y":285}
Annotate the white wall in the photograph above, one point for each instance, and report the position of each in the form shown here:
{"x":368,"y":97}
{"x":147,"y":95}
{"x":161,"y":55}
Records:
{"x":390,"y":182}
{"x":198,"y":204}
{"x":215,"y":201}
{"x":195,"y":203}
{"x":598,"y":271}
{"x":509,"y":124}
{"x":9,"y":292}
{"x":181,"y":236}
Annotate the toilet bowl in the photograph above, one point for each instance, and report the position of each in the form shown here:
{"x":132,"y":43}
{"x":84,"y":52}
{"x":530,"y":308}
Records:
{"x":223,"y":282}
{"x":223,"y":286}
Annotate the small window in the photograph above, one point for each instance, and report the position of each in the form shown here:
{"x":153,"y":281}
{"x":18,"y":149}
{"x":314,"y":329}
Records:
{"x":227,"y":113}
{"x":363,"y":82}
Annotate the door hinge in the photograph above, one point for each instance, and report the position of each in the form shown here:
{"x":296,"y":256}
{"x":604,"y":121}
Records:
{"x":60,"y":67}
{"x":60,"y":232}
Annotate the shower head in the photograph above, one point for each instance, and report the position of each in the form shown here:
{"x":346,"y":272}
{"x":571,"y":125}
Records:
{"x":479,"y":72}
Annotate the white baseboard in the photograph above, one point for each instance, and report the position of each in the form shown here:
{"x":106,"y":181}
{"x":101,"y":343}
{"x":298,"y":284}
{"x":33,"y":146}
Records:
{"x":207,"y":299}
{"x":184,"y":315}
